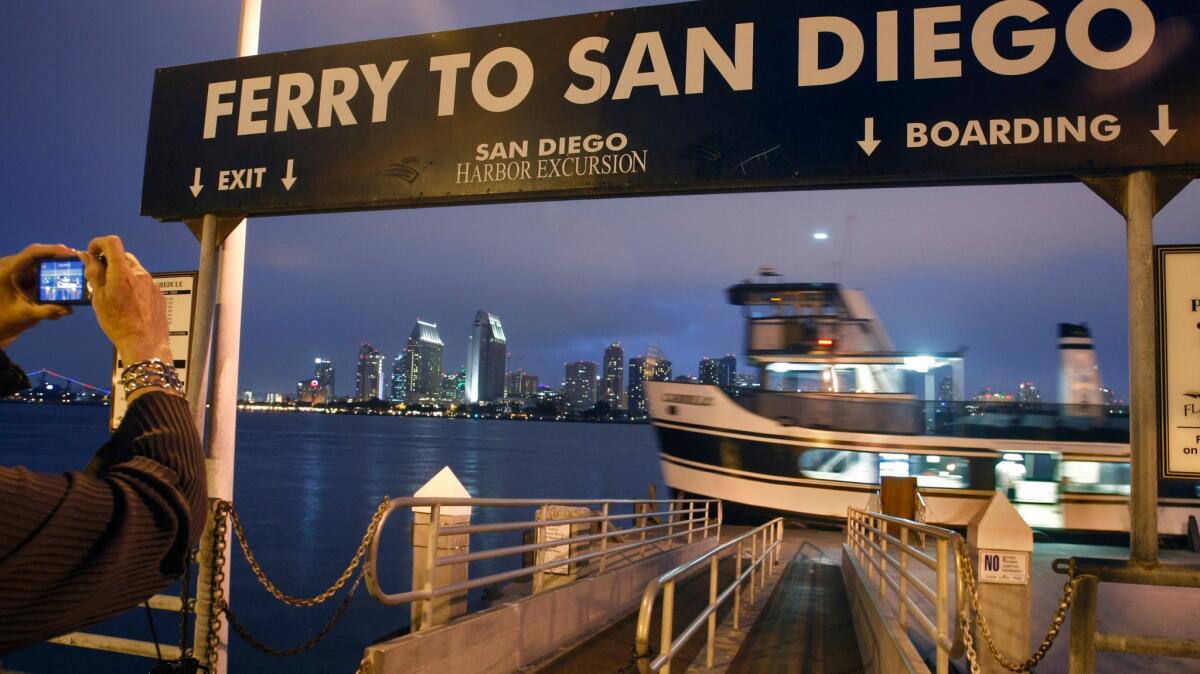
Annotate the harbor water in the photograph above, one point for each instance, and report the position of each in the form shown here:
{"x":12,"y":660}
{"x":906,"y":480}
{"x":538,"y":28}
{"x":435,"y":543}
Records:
{"x":306,"y":487}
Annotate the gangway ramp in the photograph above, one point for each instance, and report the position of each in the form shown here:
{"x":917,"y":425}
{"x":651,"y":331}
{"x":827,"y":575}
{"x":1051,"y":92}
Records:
{"x":799,"y":620}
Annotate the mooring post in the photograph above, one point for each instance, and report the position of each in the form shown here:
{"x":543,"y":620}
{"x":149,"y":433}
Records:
{"x":1000,"y":544}
{"x":1082,"y":658}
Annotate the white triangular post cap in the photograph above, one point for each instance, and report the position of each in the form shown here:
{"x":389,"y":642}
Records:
{"x":444,"y":485}
{"x":1000,"y":527}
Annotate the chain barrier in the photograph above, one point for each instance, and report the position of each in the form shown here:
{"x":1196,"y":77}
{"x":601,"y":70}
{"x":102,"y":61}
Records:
{"x":968,"y":576}
{"x":249,"y":638}
{"x":633,"y":665}
{"x":223,"y":513}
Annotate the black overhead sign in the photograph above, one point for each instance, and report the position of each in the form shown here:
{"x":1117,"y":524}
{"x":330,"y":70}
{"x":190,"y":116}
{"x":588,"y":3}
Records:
{"x":693,"y":97}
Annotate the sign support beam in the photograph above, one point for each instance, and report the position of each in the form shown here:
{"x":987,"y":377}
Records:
{"x":222,"y":259}
{"x":1138,"y":197}
{"x":1143,"y":385}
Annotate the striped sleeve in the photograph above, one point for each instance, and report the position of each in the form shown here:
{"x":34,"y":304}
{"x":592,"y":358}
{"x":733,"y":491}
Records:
{"x":78,"y":548}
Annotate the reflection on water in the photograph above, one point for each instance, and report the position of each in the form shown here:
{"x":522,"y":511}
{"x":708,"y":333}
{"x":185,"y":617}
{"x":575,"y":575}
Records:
{"x":306,"y":487}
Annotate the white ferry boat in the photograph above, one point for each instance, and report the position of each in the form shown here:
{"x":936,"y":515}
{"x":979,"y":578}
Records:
{"x":838,"y":407}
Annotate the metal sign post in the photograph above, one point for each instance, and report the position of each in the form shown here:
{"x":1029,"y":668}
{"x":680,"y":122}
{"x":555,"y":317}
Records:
{"x":1138,"y":197}
{"x":224,"y":262}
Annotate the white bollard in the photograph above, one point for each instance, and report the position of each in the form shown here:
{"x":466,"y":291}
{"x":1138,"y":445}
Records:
{"x":443,"y":609}
{"x":1001,"y":549}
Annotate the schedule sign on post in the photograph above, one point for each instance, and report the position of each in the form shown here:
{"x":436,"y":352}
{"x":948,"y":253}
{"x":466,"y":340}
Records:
{"x":179,"y":290}
{"x":690,"y":97}
{"x":1178,"y":305}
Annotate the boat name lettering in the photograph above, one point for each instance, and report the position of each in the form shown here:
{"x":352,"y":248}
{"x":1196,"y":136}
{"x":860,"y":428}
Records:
{"x":686,"y":399}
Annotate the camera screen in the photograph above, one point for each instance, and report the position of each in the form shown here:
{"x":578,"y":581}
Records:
{"x":61,"y":281}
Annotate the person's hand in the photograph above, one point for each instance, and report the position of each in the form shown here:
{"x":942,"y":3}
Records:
{"x":18,"y":288}
{"x":129,"y":306}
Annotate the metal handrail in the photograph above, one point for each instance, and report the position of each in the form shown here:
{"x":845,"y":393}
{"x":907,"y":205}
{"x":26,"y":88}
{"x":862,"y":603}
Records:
{"x":886,"y":557}
{"x":683,"y":519}
{"x":767,"y":551}
{"x":1086,"y":639}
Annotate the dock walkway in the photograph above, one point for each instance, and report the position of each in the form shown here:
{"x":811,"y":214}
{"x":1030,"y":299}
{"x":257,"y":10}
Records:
{"x":800,"y":622}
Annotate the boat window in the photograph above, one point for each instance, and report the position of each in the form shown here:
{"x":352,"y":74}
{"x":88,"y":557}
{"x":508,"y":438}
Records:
{"x":936,"y":471}
{"x":1027,"y":478}
{"x":840,"y":465}
{"x":942,"y":472}
{"x":1094,"y":477}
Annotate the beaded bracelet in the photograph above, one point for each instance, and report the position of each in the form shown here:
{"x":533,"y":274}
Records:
{"x":151,"y":373}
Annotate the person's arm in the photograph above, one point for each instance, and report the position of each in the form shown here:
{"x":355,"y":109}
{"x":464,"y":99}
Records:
{"x":77,"y":548}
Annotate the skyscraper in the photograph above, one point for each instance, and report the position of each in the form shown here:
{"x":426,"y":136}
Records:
{"x":612,"y":382}
{"x":652,"y":367}
{"x":1028,"y":392}
{"x":400,"y":377}
{"x":323,"y":372}
{"x":369,"y":383}
{"x":710,"y":371}
{"x":424,"y":353}
{"x":519,"y":384}
{"x":486,"y":352}
{"x":640,"y":371}
{"x":727,"y":371}
{"x":580,"y":389}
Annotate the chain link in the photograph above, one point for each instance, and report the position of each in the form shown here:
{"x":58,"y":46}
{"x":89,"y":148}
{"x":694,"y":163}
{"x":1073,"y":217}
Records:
{"x":245,"y":634}
{"x":333,"y":589}
{"x":223,"y":513}
{"x":633,"y":665}
{"x":216,"y":596}
{"x":968,"y":575}
{"x":185,"y":599}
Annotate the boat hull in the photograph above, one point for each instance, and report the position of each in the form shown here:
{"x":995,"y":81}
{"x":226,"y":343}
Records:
{"x":712,"y":446}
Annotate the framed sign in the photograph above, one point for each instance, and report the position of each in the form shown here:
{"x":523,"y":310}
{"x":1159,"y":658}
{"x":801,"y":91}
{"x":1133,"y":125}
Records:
{"x":179,"y":290}
{"x":1177,"y":307}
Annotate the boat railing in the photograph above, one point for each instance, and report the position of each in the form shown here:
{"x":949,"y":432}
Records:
{"x":763,"y":543}
{"x":911,"y":566}
{"x":614,"y":531}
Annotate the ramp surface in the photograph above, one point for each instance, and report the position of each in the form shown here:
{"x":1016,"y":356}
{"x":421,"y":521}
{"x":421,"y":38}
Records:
{"x":612,"y":649}
{"x":806,"y":627}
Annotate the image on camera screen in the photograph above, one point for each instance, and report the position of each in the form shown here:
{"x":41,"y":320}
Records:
{"x":61,"y":281}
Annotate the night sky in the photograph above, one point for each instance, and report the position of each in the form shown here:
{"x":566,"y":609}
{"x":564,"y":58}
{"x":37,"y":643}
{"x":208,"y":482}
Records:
{"x":990,"y":268}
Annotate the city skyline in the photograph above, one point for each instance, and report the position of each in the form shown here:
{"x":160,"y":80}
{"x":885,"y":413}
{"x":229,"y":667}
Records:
{"x":645,"y":270}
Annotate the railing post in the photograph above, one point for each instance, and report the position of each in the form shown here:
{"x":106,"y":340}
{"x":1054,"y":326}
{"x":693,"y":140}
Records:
{"x":431,"y":543}
{"x":712,"y":600}
{"x":943,"y":597}
{"x":691,"y":506}
{"x":642,"y":520}
{"x":883,"y":563}
{"x":720,"y":517}
{"x":903,"y":577}
{"x":668,"y":612}
{"x":753,"y":566}
{"x":762,"y":570}
{"x":737,"y":588}
{"x":779,"y":537}
{"x":1083,"y":626}
{"x":869,"y":551}
{"x":604,"y":537}
{"x":671,"y":525}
